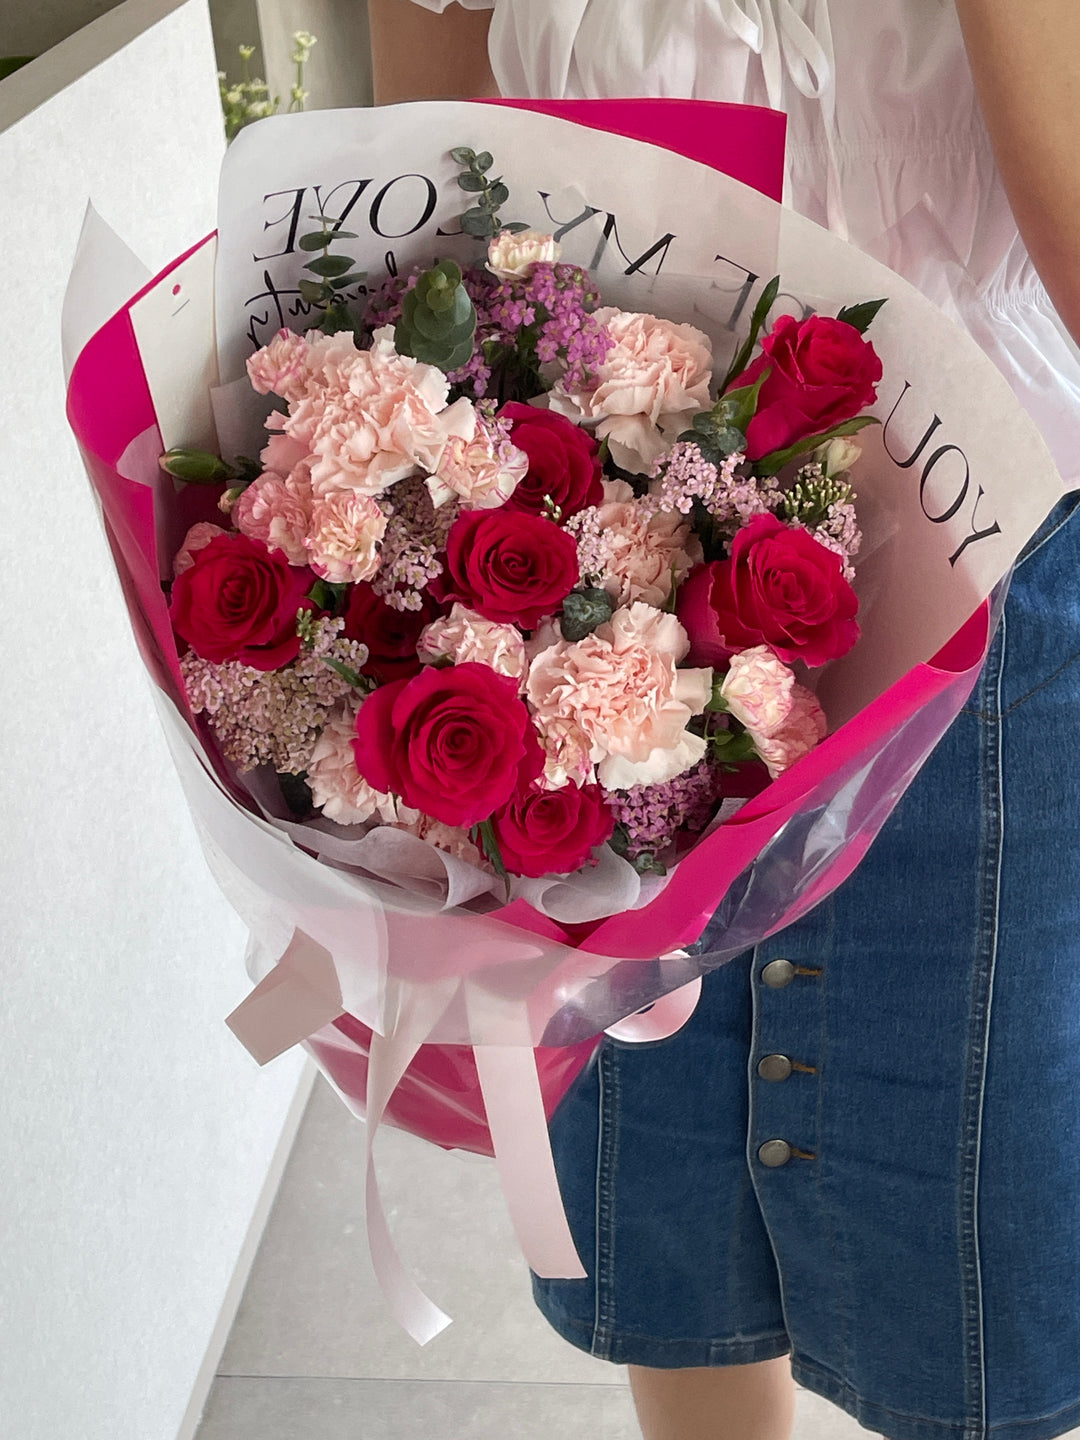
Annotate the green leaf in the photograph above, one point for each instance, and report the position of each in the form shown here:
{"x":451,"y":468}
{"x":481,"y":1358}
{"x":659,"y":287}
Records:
{"x":470,"y":181}
{"x":498,"y":194}
{"x":861,"y":316}
{"x":347,"y":673}
{"x":329,"y":265}
{"x":489,"y":844}
{"x":196,"y":467}
{"x":583,"y":610}
{"x":774,"y":463}
{"x":312,"y":292}
{"x":744,"y":401}
{"x":483,"y":161}
{"x":514,"y":226}
{"x":463,"y":155}
{"x":326,"y":594}
{"x":757,"y":320}
{"x":344,"y":281}
{"x":475,"y":222}
{"x":318,"y":240}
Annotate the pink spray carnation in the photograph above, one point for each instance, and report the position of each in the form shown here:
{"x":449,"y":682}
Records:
{"x":803,"y":729}
{"x":342,"y":545}
{"x":648,"y":387}
{"x":278,"y":512}
{"x":280,"y":368}
{"x":758,"y":690}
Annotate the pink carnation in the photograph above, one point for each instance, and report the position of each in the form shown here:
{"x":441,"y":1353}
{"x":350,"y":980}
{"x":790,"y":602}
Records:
{"x":803,"y":729}
{"x":464,"y":636}
{"x":620,"y":687}
{"x":651,"y":383}
{"x":643,"y":552}
{"x":337,"y":787}
{"x":566,"y":755}
{"x":375,"y":417}
{"x":758,"y":689}
{"x":280,"y":368}
{"x":342,"y":544}
{"x":195,"y":540}
{"x":277,"y":512}
{"x":281,"y":453}
{"x":482,"y":471}
{"x":451,"y":838}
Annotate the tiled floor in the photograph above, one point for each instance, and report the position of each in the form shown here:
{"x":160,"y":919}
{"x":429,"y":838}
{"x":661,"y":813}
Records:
{"x":314,"y":1355}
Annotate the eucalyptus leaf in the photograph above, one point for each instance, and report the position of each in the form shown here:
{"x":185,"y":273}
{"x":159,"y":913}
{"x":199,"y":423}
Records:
{"x":498,"y":195}
{"x":475,"y":222}
{"x":318,"y":240}
{"x":329,"y":265}
{"x":343,"y":281}
{"x":484,"y":160}
{"x":312,"y":292}
{"x":463,"y":155}
{"x":471,"y":181}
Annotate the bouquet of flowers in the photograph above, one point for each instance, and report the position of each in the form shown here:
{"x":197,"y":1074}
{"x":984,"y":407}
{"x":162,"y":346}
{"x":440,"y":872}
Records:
{"x":522,"y":628}
{"x":532,"y":644}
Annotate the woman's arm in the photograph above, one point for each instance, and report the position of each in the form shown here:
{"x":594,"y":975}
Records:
{"x":1025,"y":55}
{"x":418,"y":55}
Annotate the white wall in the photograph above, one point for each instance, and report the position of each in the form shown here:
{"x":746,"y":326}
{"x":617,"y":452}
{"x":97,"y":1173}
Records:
{"x":135,"y":1134}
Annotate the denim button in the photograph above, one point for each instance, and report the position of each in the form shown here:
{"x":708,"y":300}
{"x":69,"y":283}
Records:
{"x":774,"y":1067}
{"x":778,"y":973}
{"x":774,"y":1153}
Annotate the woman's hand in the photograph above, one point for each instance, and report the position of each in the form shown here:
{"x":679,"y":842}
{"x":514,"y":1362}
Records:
{"x":1025,"y":55}
{"x":418,"y":55}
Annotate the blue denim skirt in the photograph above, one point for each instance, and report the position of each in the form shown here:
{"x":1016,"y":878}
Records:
{"x":864,"y":1148}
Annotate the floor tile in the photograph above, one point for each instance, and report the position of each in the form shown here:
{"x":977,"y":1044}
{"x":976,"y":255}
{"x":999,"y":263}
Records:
{"x":312,"y":1306}
{"x":290,"y":1409}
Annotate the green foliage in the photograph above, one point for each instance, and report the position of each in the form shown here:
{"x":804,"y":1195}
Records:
{"x":583,"y":610}
{"x":335,"y":274}
{"x":197,"y":467}
{"x":438,"y":319}
{"x":248,"y":99}
{"x":757,"y":321}
{"x":482,"y":219}
{"x":774,"y":463}
{"x":861,"y":316}
{"x":721,"y":431}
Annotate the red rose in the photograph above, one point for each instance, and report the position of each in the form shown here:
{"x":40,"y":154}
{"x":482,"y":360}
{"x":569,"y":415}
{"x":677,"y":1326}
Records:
{"x":822,"y":373}
{"x":551,"y":832}
{"x":390,"y":635}
{"x":449,"y":742}
{"x":781,"y":588}
{"x":239,"y":601}
{"x":508,"y":565}
{"x":564,"y":462}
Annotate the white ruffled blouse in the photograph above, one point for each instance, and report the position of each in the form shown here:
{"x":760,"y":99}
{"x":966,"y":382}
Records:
{"x":885,"y":142}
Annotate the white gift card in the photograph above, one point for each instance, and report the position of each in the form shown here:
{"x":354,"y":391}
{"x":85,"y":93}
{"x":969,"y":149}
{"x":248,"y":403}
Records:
{"x":174,"y":330}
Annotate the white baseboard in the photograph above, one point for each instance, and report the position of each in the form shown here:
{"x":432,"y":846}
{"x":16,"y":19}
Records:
{"x":234,"y":1293}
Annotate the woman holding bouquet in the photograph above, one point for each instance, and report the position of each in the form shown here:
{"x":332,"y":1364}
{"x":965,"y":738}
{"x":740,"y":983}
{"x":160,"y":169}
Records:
{"x":862,"y":1152}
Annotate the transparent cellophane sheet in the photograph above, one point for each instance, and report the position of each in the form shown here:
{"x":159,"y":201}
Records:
{"x":409,"y":938}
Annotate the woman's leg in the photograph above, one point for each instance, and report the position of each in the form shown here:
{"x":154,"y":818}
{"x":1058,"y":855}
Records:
{"x":730,"y":1402}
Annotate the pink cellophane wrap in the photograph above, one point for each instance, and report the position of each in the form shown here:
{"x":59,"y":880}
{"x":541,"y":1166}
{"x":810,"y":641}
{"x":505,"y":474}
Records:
{"x":424,"y":1001}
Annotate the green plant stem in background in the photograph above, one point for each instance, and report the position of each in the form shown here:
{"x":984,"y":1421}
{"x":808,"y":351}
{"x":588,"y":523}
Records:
{"x":249,"y":99}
